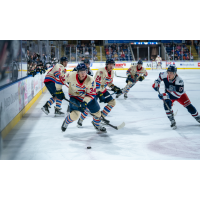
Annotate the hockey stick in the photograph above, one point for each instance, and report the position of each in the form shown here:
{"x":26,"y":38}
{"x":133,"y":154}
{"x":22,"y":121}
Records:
{"x":110,"y":95}
{"x":115,"y":127}
{"x":119,"y":76}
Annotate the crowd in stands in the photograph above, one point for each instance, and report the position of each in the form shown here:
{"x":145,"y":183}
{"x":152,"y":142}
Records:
{"x":87,"y":51}
{"x":178,"y":51}
{"x":35,"y":63}
{"x":118,"y":52}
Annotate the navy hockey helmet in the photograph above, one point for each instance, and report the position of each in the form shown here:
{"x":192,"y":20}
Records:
{"x":110,"y":61}
{"x":86,"y":61}
{"x":81,"y":67}
{"x":172,"y":68}
{"x":62,"y":59}
{"x":140,"y":62}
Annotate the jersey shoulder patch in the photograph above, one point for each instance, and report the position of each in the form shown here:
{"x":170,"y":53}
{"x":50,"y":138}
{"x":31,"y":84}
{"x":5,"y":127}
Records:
{"x":179,"y":81}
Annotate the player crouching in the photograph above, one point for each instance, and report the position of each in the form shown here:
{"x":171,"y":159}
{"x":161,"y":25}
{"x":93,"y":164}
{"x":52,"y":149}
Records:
{"x":82,"y":92}
{"x":174,"y":91}
{"x":134,"y":74}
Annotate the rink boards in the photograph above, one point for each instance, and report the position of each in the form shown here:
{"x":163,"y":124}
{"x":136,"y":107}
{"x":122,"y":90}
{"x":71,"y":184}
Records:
{"x":149,"y":65}
{"x":16,"y":99}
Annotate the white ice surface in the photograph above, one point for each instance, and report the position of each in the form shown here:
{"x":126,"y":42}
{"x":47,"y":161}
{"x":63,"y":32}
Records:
{"x":147,"y":134}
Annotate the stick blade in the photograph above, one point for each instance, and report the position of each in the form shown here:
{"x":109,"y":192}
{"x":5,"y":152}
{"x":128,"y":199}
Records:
{"x":121,"y":126}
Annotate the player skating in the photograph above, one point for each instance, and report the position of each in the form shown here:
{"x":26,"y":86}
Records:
{"x":52,"y":77}
{"x":158,"y":62}
{"x":134,"y":74}
{"x":174,"y":91}
{"x":103,"y":78}
{"x":82,"y":92}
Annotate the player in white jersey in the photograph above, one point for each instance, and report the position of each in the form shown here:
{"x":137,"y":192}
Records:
{"x":103,"y":78}
{"x":134,"y":74}
{"x":174,"y":91}
{"x":158,"y":62}
{"x":52,"y":78}
{"x":82,"y":92}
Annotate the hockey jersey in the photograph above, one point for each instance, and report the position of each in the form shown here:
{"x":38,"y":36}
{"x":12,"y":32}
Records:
{"x":90,"y":72}
{"x":103,"y":79}
{"x":133,"y":70}
{"x":83,"y":91}
{"x":54,"y":73}
{"x":175,"y":87}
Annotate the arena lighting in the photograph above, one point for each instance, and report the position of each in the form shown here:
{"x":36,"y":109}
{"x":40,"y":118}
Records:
{"x":144,"y":43}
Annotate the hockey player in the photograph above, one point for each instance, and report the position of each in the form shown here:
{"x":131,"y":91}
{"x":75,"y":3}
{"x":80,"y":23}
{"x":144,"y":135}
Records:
{"x":174,"y":91}
{"x":52,"y":78}
{"x":103,"y":78}
{"x":87,"y":63}
{"x":82,"y":92}
{"x":158,"y":62}
{"x":134,"y":74}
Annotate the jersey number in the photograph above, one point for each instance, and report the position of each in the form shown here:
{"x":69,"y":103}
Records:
{"x":98,"y":78}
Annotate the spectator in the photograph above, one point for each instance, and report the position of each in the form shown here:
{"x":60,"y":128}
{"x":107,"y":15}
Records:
{"x":87,"y":53}
{"x":192,"y":58}
{"x":95,"y":58}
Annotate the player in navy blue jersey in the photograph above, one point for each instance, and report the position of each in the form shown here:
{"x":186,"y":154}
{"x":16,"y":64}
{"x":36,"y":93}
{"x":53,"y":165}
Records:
{"x":174,"y":91}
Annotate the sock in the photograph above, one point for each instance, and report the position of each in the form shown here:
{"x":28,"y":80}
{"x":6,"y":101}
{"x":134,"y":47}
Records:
{"x":58,"y":103}
{"x":85,"y":114}
{"x":68,"y":120}
{"x":107,"y":109}
{"x":96,"y":121}
{"x":169,"y":115}
{"x":51,"y":101}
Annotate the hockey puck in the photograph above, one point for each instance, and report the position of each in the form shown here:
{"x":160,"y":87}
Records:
{"x":89,"y":147}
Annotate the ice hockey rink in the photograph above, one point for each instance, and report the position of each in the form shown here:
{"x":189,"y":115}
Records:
{"x":146,"y":136}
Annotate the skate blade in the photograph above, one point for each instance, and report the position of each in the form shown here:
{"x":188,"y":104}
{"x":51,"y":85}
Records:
{"x":175,"y":127}
{"x":79,"y":126}
{"x":44,"y":111}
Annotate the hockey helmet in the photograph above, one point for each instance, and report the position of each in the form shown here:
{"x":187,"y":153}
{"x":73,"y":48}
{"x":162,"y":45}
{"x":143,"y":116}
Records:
{"x":172,"y":68}
{"x":140,"y":62}
{"x":62,"y":59}
{"x":110,"y":61}
{"x":81,"y":67}
{"x":86,"y":61}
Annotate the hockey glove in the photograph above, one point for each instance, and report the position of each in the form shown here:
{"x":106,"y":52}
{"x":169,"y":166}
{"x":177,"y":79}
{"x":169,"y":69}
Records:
{"x":116,"y":89}
{"x":156,"y":85}
{"x":141,"y":78}
{"x":60,"y":95}
{"x":164,"y":96}
{"x":101,"y":97}
{"x":83,"y":106}
{"x":129,"y":79}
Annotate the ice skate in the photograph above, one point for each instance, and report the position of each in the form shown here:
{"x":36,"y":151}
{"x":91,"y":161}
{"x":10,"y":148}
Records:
{"x":198,"y":118}
{"x":79,"y":123}
{"x":125,"y":96}
{"x":58,"y":112}
{"x":64,"y":126}
{"x":45,"y":108}
{"x":173,"y":125}
{"x":100,"y":128}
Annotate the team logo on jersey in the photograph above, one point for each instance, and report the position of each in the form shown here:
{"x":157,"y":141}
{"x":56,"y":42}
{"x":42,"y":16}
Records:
{"x":101,"y":72}
{"x":93,"y":84}
{"x":171,"y":88}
